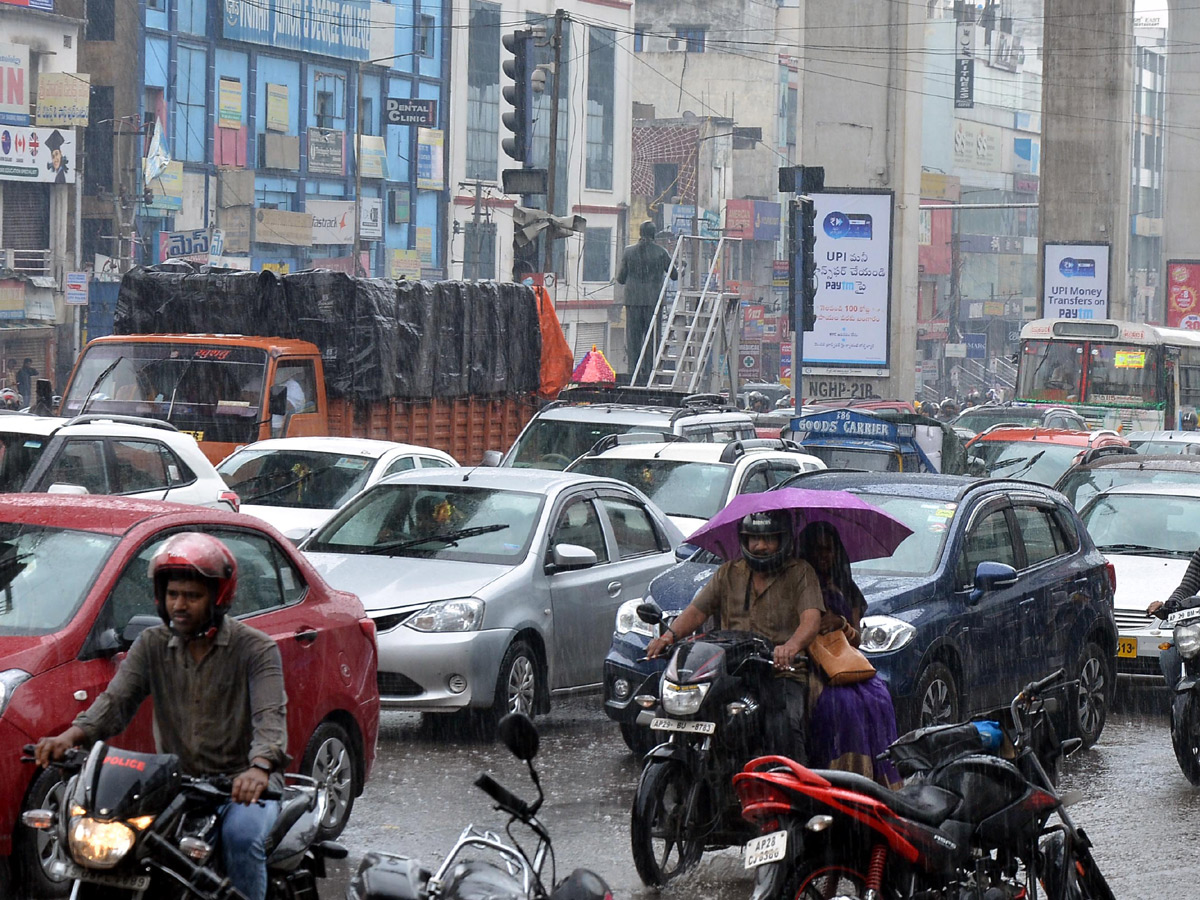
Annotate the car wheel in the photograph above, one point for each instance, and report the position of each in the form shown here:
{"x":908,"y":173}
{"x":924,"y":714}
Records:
{"x":37,"y":850}
{"x":329,"y":761}
{"x":937,"y":696}
{"x":1094,"y":693}
{"x":638,"y":738}
{"x":517,"y":682}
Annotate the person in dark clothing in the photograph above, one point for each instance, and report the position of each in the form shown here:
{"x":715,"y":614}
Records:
{"x":1189,"y":586}
{"x":642,"y":270}
{"x":25,"y":376}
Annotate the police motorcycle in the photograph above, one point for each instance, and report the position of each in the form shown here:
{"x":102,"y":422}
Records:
{"x":132,"y":825}
{"x":481,"y":864}
{"x":1181,"y":668}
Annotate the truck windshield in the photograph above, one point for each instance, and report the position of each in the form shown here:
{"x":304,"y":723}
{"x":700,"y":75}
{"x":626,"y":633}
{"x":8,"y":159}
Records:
{"x":555,"y":443}
{"x":213,"y":392}
{"x":856,"y":458}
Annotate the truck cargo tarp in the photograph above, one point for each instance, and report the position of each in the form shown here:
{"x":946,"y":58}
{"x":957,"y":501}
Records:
{"x":379,"y":338}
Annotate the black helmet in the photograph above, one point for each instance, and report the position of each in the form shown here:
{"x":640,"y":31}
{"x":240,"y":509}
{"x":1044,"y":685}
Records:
{"x":775,"y":522}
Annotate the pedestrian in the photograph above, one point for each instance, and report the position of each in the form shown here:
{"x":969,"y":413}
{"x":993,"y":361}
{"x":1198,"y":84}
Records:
{"x":643,"y":267}
{"x":25,"y":376}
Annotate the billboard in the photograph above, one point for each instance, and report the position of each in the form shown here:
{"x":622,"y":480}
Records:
{"x":853,"y":255}
{"x":14,"y":84}
{"x":1075,"y":281}
{"x":37,"y":154}
{"x":1183,"y":293}
{"x":341,"y":30}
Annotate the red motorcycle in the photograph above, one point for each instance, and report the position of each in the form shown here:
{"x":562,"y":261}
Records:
{"x":971,"y":823}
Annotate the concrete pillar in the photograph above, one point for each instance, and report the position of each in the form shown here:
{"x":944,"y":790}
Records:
{"x":1181,"y":172}
{"x":860,"y":113}
{"x":1086,"y":132}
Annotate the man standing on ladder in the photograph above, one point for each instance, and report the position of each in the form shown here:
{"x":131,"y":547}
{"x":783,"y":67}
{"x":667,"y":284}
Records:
{"x":643,"y":268}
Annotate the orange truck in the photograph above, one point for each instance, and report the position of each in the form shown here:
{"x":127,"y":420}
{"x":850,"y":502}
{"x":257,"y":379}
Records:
{"x":227,"y":390}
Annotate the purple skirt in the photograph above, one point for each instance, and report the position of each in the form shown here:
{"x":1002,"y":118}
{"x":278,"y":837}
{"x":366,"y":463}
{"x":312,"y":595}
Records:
{"x":850,"y":726}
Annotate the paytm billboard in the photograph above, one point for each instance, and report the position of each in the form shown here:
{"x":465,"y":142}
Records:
{"x":1075,"y":281}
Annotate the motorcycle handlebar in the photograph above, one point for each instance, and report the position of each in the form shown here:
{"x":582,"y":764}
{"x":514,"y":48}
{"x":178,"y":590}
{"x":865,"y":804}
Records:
{"x":506,"y":799}
{"x":1036,"y":687}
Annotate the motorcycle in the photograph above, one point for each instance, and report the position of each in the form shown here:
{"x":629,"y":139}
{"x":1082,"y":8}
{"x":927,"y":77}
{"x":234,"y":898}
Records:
{"x":1182,"y":672}
{"x":462,"y":875}
{"x":717,"y":710}
{"x":971,"y":822}
{"x":131,"y":825}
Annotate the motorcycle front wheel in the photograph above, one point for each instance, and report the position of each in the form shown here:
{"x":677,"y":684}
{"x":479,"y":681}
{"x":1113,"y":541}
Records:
{"x":1185,"y":735}
{"x":663,"y":830}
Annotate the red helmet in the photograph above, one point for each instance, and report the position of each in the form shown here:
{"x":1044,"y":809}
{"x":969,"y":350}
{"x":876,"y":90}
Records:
{"x":194,"y":555}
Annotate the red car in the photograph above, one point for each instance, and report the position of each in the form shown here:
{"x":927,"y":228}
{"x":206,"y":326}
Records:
{"x":73,"y":580}
{"x":1040,"y":455}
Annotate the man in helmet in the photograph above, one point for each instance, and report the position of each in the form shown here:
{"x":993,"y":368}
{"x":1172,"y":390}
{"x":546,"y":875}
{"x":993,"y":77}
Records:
{"x":217,"y":688}
{"x":768,"y":591}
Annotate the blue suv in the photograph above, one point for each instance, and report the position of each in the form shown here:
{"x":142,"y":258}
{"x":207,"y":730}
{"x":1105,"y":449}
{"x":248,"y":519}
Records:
{"x":998,"y":585}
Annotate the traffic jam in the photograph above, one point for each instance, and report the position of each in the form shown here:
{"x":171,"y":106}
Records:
{"x":858,"y":647}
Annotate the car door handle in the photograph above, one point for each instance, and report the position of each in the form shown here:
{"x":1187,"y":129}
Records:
{"x":614,"y":588}
{"x":307,"y":636}
{"x":1027,"y":601}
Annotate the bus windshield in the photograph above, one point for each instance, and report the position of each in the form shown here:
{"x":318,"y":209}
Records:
{"x":1117,"y":374}
{"x":1051,"y":371}
{"x":1122,"y":374}
{"x":212,"y":392}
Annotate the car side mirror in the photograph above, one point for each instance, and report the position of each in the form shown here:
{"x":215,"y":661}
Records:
{"x":278,"y":403}
{"x":296,"y":535}
{"x":684,"y":551}
{"x":110,"y":641}
{"x":991,"y":576}
{"x":519,"y":735}
{"x":571,"y":556}
{"x":491,"y":459}
{"x":136,"y":626}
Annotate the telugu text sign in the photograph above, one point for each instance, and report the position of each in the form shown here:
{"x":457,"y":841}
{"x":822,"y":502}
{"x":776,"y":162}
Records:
{"x":63,"y":99}
{"x":1075,"y":281}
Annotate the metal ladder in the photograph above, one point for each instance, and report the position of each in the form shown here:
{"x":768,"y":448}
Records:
{"x":697,"y":316}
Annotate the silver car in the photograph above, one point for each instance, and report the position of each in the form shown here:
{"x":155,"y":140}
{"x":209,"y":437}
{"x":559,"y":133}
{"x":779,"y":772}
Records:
{"x":492,"y":588}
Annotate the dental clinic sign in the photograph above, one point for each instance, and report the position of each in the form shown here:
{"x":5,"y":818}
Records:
{"x":339,"y":28}
{"x":1075,"y":281}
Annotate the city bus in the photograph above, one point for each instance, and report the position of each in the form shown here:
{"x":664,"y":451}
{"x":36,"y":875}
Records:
{"x":1126,"y":376}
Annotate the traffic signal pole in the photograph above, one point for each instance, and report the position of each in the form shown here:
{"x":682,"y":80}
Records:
{"x":552,"y":162}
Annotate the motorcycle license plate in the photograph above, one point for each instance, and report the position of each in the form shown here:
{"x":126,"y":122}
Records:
{"x":766,"y":849}
{"x":660,"y":724}
{"x":125,"y":882}
{"x":1127,"y":647}
{"x":1184,"y":615}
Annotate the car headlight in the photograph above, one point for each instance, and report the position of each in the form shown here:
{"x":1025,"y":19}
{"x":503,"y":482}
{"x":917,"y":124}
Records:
{"x":1187,"y":639}
{"x":99,"y":844}
{"x":10,"y":680}
{"x":881,"y":634}
{"x":464,"y":614}
{"x":627,"y":618}
{"x":683,"y":699}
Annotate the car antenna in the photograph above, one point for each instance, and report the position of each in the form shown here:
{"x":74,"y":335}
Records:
{"x":95,"y":384}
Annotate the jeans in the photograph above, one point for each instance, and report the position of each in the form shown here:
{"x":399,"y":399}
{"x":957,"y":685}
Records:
{"x":244,"y":831}
{"x":787,"y":723}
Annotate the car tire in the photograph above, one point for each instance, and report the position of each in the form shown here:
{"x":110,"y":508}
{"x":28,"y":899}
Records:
{"x":1095,"y":694}
{"x":638,"y":738}
{"x":938,"y":701}
{"x":35,"y":850}
{"x":518,"y":682}
{"x":329,"y":761}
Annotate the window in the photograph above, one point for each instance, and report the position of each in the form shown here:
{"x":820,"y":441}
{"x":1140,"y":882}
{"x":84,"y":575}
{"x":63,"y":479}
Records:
{"x":597,"y":254}
{"x":261,"y":583}
{"x":429,"y":462}
{"x":101,"y":21}
{"x":190,"y":16}
{"x":423,"y":43}
{"x":80,"y":463}
{"x":403,"y":464}
{"x":483,"y":90}
{"x":325,"y":109}
{"x":755,"y":481}
{"x":639,"y":38}
{"x":989,"y":541}
{"x":366,"y":109}
{"x":578,"y":524}
{"x":1039,"y":529}
{"x":692,"y":36}
{"x":479,"y":251}
{"x":138,"y":467}
{"x":190,"y":125}
{"x":98,"y":138}
{"x":600,"y":105}
{"x":297,"y":379}
{"x":632,"y":527}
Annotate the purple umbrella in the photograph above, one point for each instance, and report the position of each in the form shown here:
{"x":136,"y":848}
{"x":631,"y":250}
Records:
{"x":867,"y":531}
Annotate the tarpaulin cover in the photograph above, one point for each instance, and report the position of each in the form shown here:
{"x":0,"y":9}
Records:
{"x":378,"y":338}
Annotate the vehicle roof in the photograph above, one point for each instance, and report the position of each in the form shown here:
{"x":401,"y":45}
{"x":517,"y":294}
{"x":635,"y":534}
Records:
{"x":104,"y":514}
{"x":536,"y":481}
{"x":1144,"y":461}
{"x":692,"y":451}
{"x":1184,"y":437}
{"x":21,"y":423}
{"x":346,"y":446}
{"x":629,"y":414}
{"x":999,"y":410}
{"x":249,"y":340}
{"x":925,"y":485}
{"x":1051,"y":436}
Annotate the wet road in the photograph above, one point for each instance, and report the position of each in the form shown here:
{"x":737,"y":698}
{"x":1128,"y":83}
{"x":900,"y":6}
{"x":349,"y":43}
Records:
{"x":1140,"y":812}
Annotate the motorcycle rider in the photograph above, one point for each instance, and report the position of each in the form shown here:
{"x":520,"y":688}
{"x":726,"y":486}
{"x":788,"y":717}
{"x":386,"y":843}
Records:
{"x":217,"y":689}
{"x":1189,"y":586}
{"x":768,"y":591}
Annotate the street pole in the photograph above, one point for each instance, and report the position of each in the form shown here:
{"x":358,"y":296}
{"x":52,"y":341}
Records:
{"x":478,"y":242}
{"x":358,"y":127}
{"x":552,"y":163}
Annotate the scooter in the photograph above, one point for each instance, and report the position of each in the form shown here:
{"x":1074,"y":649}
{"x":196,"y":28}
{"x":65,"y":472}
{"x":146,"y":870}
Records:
{"x":481,"y":864}
{"x":1181,"y":669}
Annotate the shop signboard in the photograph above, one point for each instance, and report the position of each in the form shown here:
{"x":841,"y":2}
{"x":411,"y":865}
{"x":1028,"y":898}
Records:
{"x":45,"y":155}
{"x":341,"y":30}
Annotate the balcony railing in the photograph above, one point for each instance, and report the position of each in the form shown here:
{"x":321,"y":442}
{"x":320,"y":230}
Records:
{"x":30,"y":263}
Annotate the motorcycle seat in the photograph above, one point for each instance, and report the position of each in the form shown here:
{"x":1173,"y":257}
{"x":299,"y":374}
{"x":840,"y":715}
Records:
{"x":926,"y":803}
{"x":293,"y":805}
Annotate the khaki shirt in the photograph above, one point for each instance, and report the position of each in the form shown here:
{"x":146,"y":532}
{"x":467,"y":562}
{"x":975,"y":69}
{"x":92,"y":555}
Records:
{"x":216,"y":715}
{"x":775,"y":614}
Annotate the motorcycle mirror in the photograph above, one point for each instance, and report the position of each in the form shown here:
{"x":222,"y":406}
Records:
{"x":650,"y":613}
{"x":519,"y":735}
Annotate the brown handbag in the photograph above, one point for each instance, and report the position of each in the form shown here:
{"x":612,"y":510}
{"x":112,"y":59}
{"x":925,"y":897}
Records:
{"x":842,"y":663}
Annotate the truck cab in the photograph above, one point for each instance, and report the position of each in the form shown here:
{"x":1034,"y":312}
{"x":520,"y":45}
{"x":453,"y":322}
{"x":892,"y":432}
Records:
{"x":224,"y":390}
{"x":888,"y":441}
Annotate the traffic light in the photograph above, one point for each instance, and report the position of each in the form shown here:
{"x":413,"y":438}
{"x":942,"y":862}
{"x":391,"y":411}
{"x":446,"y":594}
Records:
{"x":806,"y":255}
{"x":147,"y":197}
{"x":519,"y":93}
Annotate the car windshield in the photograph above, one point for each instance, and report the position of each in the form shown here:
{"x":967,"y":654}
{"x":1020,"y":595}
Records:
{"x":303,"y":479}
{"x":38,"y":593}
{"x":1166,"y":447}
{"x":457,"y":522}
{"x":983,"y":419}
{"x":856,"y":458}
{"x":919,"y":553}
{"x":1082,"y":485}
{"x":556,"y":443}
{"x":1144,"y":524}
{"x":19,"y":454}
{"x":678,"y":487}
{"x":1042,"y":462}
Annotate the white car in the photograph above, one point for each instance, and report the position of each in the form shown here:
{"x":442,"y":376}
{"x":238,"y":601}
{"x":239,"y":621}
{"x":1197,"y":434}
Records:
{"x":297,"y":483}
{"x":692,"y":482}
{"x":1149,"y":533}
{"x":99,"y":454}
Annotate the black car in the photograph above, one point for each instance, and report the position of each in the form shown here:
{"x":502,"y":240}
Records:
{"x":1081,"y":483}
{"x":998,"y":585}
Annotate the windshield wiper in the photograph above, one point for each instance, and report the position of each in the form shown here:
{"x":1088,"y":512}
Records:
{"x":450,"y":538}
{"x":1144,"y":549}
{"x":283,"y":487}
{"x":1005,"y":463}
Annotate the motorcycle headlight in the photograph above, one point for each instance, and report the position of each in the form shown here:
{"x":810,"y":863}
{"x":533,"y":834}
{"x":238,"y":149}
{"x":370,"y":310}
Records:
{"x":683,"y":699}
{"x":1187,"y":639}
{"x":627,"y":618}
{"x":10,"y":680}
{"x":465,"y":614}
{"x":100,"y":845}
{"x":881,"y":634}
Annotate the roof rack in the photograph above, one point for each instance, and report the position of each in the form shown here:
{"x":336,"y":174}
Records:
{"x":638,"y":396}
{"x":1096,"y":453}
{"x":736,"y":449}
{"x":609,"y":441}
{"x":89,"y":418}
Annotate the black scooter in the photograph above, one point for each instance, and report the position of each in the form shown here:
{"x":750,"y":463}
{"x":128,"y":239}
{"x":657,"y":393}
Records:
{"x":1181,"y":668}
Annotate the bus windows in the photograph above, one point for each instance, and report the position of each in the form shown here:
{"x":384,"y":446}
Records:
{"x":1123,"y":374}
